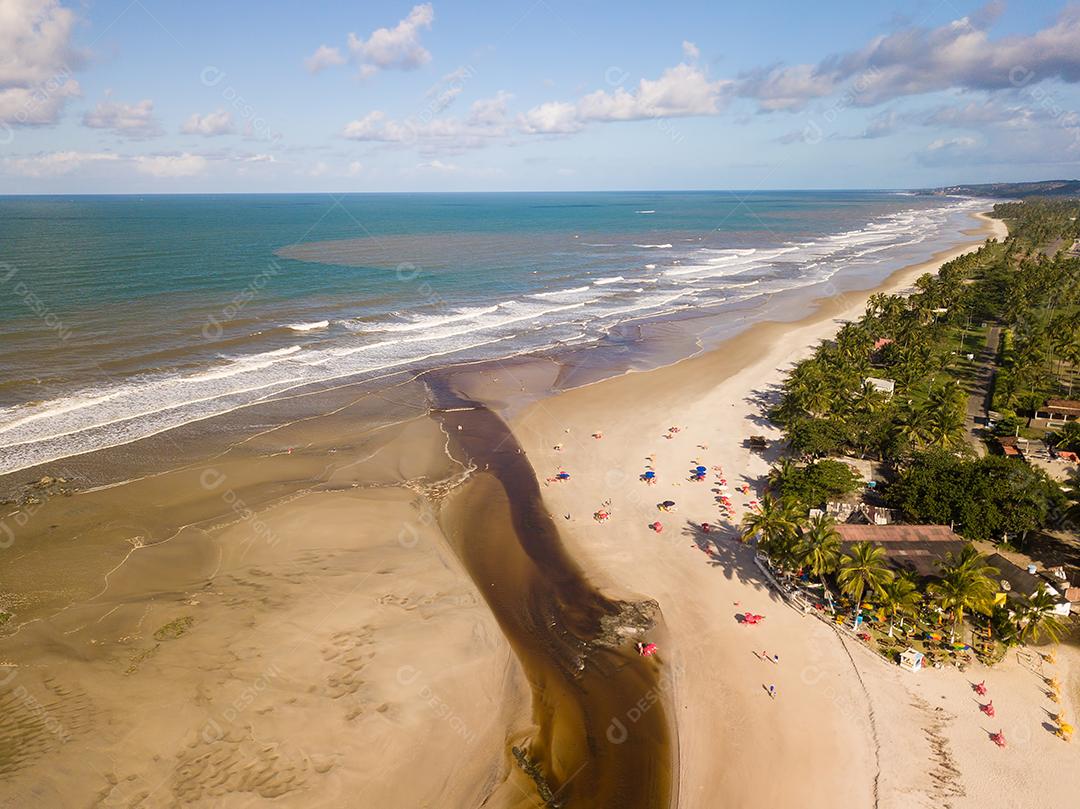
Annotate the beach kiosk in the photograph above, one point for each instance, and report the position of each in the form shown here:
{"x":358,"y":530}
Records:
{"x":911,"y":660}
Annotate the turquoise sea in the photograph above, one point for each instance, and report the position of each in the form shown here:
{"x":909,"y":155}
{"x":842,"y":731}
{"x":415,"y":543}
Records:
{"x":122,"y":316}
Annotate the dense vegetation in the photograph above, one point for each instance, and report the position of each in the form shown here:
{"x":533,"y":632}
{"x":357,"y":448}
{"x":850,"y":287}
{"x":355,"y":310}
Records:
{"x":917,"y":611}
{"x":983,"y":498}
{"x":928,"y":345}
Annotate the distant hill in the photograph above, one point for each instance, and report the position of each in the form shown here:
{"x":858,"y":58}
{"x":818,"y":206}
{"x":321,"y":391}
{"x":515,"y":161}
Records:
{"x":1043,"y":188}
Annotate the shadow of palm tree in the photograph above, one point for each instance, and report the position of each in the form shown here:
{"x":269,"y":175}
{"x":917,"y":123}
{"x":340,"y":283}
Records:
{"x":724,"y":549}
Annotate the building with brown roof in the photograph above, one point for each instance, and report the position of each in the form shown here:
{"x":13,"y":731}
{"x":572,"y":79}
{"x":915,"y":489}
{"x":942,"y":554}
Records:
{"x":1056,"y":412}
{"x":917,"y":548}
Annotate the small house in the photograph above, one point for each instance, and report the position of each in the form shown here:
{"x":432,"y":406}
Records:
{"x":1055,"y":412}
{"x":911,"y":659}
{"x":886,"y":386}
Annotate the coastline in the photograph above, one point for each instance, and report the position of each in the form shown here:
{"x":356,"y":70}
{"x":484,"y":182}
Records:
{"x":410,"y":601}
{"x":846,"y":728}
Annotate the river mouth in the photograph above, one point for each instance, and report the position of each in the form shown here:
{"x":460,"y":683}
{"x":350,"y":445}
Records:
{"x":603,"y":737}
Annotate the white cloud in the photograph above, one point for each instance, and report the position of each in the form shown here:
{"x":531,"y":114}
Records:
{"x":165,"y":166}
{"x":397,"y":47}
{"x":490,"y":111}
{"x":324,"y":57}
{"x":786,"y":88}
{"x":881,"y":125}
{"x":51,"y":164}
{"x":37,"y":61}
{"x":377,"y":127}
{"x":690,"y":51}
{"x":28,"y":106}
{"x":438,"y":165}
{"x":385,"y":49}
{"x":126,"y":120}
{"x":551,"y":118}
{"x":681,"y":91}
{"x":486,"y":121}
{"x":913,"y":61}
{"x":951,"y":143}
{"x":214,"y":123}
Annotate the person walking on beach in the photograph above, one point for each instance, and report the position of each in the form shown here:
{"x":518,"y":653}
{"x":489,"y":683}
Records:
{"x":776,"y":659}
{"x":772,"y":692}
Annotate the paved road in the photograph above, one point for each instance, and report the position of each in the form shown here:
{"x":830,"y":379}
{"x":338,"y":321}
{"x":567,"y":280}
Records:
{"x":978,"y":404}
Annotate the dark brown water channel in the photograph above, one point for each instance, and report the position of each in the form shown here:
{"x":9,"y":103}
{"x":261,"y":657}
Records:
{"x":604,"y":738}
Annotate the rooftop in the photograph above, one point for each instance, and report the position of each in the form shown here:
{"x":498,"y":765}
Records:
{"x":915,"y":547}
{"x":1019,"y":580}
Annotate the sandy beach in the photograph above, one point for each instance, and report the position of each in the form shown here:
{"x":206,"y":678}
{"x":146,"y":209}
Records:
{"x":330,"y":609}
{"x":845,"y":727}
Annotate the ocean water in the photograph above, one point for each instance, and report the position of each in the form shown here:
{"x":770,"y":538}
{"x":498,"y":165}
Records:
{"x":124,"y":316}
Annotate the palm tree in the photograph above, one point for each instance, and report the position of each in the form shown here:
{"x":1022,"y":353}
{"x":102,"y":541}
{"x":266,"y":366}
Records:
{"x":965,"y":583}
{"x":946,"y":428}
{"x":901,"y":598}
{"x":820,"y":546}
{"x":944,"y":408}
{"x":781,"y":472}
{"x":914,"y":426}
{"x":1068,"y":437}
{"x":773,"y":521}
{"x":970,"y":560}
{"x":1037,"y":618}
{"x":784,"y":550}
{"x":864,"y":569}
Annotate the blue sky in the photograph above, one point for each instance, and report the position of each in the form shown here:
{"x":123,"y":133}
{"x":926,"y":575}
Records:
{"x":152,"y":96}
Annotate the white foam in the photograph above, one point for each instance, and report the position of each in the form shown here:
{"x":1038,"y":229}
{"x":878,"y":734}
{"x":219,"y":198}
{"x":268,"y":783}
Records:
{"x":318,"y":324}
{"x":612,"y":280}
{"x":654,"y":246}
{"x":430,"y":321}
{"x":243,"y":365}
{"x":558,"y":292}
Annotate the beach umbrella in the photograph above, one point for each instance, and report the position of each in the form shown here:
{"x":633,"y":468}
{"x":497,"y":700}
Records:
{"x":668,"y":503}
{"x":657,"y":527}
{"x":701,"y":469}
{"x":649,"y":475}
{"x":563,"y":476}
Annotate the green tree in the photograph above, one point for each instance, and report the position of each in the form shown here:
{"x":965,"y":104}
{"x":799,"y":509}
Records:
{"x":900,"y":598}
{"x":863,"y":570}
{"x":1037,"y":619}
{"x":820,"y":546}
{"x":810,"y":486}
{"x":965,"y":584}
{"x":773,"y":521}
{"x":1067,"y":438}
